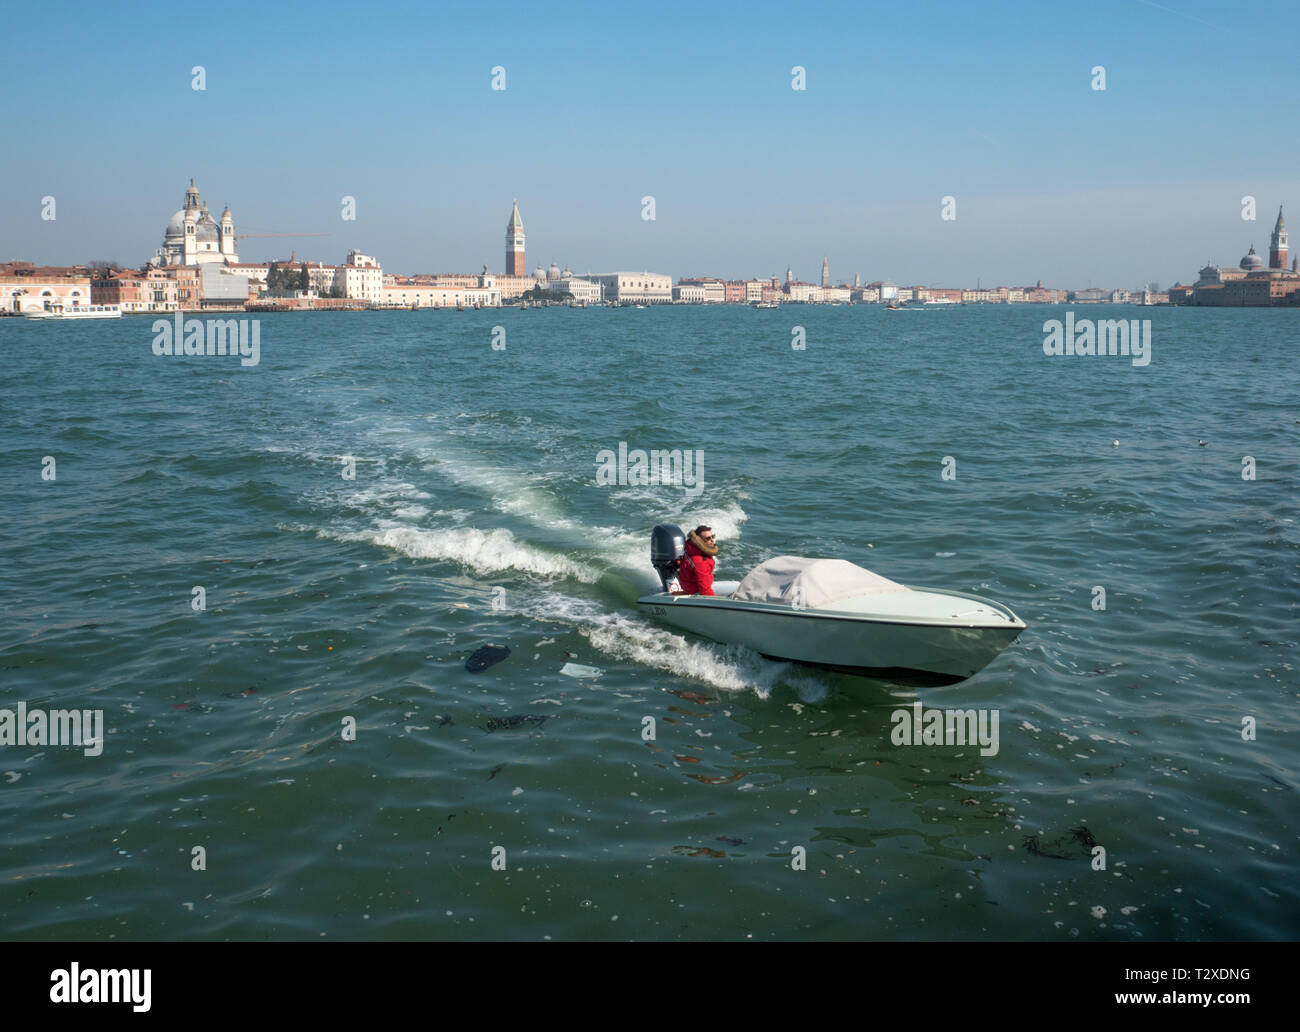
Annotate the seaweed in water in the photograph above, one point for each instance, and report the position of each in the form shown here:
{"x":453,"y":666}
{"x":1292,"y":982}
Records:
{"x":1080,"y":835}
{"x":1034,"y":849}
{"x":517,"y":720}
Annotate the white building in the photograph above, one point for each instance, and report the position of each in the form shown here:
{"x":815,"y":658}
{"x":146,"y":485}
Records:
{"x":640,"y":287}
{"x":193,"y":237}
{"x":712,"y":290}
{"x":581,"y":289}
{"x":425,"y":295}
{"x":360,"y":279}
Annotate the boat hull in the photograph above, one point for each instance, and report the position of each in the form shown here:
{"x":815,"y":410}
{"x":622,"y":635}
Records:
{"x":928,"y":649}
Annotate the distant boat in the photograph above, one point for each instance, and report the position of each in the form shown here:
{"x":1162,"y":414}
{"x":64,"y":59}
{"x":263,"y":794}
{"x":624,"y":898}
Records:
{"x":766,"y":304}
{"x":892,"y":306}
{"x":78,"y":312}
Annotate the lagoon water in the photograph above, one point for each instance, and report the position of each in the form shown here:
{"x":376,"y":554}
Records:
{"x":475,"y":518}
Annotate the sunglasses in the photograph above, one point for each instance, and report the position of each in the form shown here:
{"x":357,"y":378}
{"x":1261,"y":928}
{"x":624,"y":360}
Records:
{"x":708,"y":537}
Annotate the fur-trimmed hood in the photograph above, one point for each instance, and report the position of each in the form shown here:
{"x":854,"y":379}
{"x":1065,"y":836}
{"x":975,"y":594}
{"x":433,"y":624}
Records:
{"x":711,"y":550}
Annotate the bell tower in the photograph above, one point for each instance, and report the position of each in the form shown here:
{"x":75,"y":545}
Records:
{"x":515,"y":244}
{"x":1277,"y":245}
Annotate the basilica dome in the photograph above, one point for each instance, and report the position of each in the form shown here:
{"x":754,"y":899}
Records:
{"x":208,"y":242}
{"x":1252,"y":260}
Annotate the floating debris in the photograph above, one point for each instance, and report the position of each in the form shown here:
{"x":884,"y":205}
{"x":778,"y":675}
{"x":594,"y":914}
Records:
{"x":496,"y":770}
{"x":578,"y":670}
{"x":485,"y":657}
{"x":251,"y":689}
{"x":717,"y":781}
{"x":1034,"y":849}
{"x":699,"y":851}
{"x":517,"y":720}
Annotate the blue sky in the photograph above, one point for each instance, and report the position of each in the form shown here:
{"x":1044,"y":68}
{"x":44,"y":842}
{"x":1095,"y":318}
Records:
{"x":905,"y":103}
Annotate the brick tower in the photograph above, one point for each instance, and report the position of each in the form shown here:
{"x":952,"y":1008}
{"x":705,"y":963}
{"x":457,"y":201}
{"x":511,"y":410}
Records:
{"x":515,"y":244}
{"x":1277,"y":246}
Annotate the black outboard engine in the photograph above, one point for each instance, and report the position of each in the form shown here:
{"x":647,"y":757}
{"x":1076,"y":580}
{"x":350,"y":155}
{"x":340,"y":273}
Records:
{"x":667,"y":546}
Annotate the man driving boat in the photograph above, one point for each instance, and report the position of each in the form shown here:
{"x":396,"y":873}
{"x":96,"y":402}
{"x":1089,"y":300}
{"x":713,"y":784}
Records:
{"x":695,"y":572}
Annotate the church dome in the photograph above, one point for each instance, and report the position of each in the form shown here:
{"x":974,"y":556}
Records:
{"x":176,"y":225}
{"x":1252,"y":260}
{"x":553,"y":273}
{"x":206,"y":231}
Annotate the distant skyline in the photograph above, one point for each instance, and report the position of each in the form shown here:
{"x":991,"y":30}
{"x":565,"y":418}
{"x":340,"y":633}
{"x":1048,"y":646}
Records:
{"x":990,"y":104}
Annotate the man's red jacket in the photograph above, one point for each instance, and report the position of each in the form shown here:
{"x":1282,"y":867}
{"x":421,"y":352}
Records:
{"x":695,"y":572}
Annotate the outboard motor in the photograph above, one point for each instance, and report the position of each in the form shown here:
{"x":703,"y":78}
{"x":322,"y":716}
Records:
{"x":667,"y":546}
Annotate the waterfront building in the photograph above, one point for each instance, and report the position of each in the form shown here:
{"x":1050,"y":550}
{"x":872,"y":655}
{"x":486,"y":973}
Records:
{"x":427,"y":295}
{"x":25,"y":287}
{"x":189,"y":291}
{"x":1090,"y":295}
{"x":360,"y":278}
{"x":193,"y":237}
{"x":515,"y":286}
{"x":650,"y":288}
{"x":804,"y":292}
{"x":581,"y":289}
{"x":753,"y":291}
{"x":224,"y":289}
{"x":257,"y":272}
{"x":712,"y":290}
{"x":151,"y":290}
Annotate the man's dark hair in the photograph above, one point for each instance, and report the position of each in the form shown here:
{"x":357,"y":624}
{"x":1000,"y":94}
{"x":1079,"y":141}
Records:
{"x":700,"y":530}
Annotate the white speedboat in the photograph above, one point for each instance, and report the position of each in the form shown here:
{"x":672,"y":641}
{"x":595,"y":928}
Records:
{"x":58,"y":311}
{"x":831,"y":613}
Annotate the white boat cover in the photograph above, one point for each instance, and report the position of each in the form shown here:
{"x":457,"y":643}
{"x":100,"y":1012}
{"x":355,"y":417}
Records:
{"x":789,"y":580}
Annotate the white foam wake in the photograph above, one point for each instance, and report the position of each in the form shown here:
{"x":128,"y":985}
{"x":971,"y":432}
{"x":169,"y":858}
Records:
{"x":483,"y":551}
{"x":631,"y":638}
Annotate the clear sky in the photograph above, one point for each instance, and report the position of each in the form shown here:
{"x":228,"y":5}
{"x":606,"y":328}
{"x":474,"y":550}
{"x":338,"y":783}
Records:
{"x":691,"y":103}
